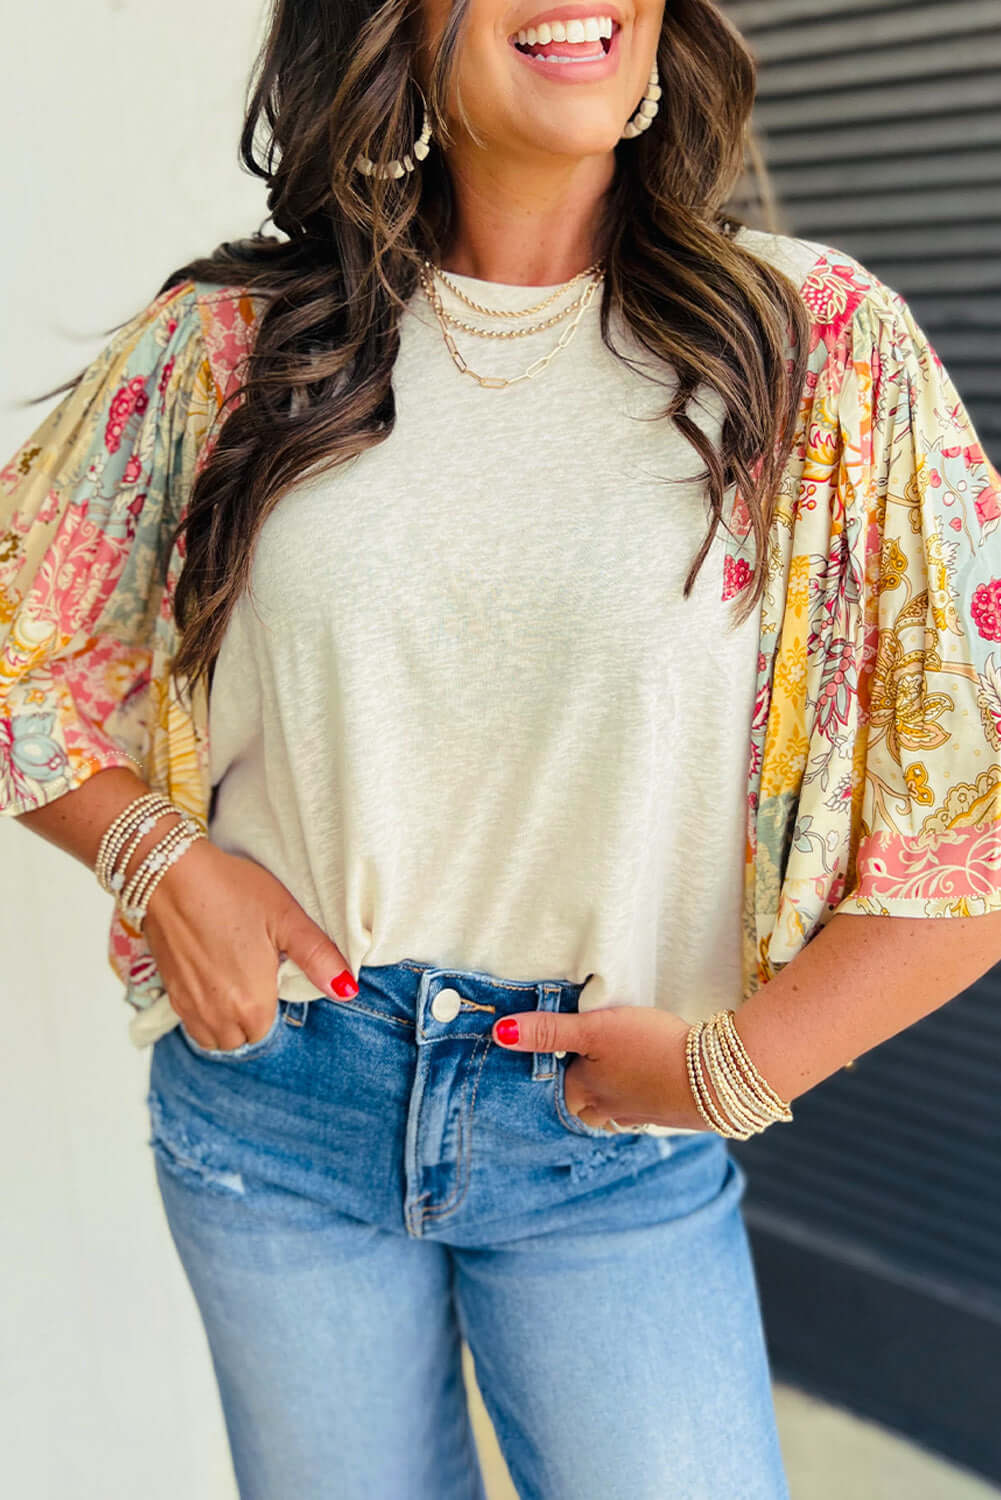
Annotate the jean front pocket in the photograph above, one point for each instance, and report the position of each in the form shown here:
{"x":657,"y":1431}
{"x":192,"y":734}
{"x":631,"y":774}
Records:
{"x":564,"y":1114}
{"x":247,"y":1051}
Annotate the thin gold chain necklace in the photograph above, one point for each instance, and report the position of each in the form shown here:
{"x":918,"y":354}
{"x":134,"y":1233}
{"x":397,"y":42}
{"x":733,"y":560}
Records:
{"x":509,"y":333}
{"x":495,"y":382}
{"x":506,"y":312}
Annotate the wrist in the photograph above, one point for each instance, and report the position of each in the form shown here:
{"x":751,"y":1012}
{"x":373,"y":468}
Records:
{"x":164,"y":823}
{"x":684,"y":1110}
{"x":169,"y":896}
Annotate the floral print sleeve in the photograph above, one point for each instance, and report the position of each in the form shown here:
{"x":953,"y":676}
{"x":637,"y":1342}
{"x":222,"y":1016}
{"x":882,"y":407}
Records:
{"x":916,"y":483}
{"x":87,"y":505}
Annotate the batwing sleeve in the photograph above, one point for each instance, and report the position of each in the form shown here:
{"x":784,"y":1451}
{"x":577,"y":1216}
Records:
{"x":926,"y":502}
{"x":87,"y":506}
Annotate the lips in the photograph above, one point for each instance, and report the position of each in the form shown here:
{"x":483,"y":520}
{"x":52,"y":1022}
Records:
{"x":570,"y":62}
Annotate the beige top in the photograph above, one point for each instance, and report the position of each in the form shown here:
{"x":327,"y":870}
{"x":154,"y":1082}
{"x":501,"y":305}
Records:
{"x":472,"y":720}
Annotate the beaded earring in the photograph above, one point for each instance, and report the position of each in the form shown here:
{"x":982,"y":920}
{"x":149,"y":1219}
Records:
{"x":643,"y":118}
{"x":396,"y":167}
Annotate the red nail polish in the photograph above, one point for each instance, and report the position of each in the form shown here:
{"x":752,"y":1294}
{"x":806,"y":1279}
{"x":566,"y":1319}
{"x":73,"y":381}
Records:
{"x":507,"y":1030}
{"x":343,"y":984}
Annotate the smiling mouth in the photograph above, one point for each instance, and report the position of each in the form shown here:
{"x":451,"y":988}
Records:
{"x":568,"y":49}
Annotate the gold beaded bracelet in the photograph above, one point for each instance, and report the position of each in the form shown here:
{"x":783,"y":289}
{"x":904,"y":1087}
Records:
{"x":122,"y":837}
{"x":142,"y":814}
{"x":747,"y":1103}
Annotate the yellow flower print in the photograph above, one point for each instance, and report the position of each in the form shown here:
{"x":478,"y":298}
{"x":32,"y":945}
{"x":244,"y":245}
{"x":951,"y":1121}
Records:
{"x":790,"y":672}
{"x":967,"y":805}
{"x":119,"y":677}
{"x":785,"y":757}
{"x":900,"y":705}
{"x":892,"y":565}
{"x":943,"y":608}
{"x":799,"y":584}
{"x":916,"y":777}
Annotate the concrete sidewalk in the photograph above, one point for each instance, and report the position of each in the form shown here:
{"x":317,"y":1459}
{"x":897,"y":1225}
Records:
{"x":829,"y":1455}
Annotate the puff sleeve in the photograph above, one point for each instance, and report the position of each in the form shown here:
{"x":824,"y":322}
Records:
{"x":922,"y":504}
{"x":87,"y":506}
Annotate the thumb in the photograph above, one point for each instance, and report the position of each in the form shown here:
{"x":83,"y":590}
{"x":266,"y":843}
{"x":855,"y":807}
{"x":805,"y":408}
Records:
{"x":542,"y":1031}
{"x":307,"y":945}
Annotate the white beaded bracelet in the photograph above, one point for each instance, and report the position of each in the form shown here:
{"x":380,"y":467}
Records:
{"x":137,"y":891}
{"x":144,"y":811}
{"x":163,"y":860}
{"x":122,"y":837}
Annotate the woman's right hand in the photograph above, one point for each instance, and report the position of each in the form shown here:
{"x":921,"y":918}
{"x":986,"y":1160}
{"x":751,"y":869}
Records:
{"x":217,"y":925}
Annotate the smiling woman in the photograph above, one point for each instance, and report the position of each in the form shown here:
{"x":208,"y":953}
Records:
{"x":511,"y":567}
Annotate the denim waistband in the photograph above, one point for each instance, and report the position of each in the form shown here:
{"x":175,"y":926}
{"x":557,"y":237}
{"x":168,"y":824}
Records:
{"x":436,"y":1000}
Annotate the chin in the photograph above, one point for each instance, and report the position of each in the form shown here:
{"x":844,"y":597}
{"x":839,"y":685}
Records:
{"x":582,"y":143}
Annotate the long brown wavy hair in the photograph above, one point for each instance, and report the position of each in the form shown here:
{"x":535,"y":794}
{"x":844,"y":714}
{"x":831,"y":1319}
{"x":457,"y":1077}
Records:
{"x":334,"y":77}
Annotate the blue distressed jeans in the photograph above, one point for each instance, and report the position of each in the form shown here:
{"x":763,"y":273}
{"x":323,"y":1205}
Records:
{"x":372,"y":1182}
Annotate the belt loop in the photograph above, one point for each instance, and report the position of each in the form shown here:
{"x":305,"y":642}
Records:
{"x":544,"y":1063}
{"x":295,"y":1011}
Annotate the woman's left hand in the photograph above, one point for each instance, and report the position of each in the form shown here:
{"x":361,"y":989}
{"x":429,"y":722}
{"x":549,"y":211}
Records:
{"x":630,"y":1068}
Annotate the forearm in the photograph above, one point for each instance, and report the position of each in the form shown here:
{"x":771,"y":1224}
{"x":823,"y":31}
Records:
{"x":859,"y":981}
{"x":77,"y":821}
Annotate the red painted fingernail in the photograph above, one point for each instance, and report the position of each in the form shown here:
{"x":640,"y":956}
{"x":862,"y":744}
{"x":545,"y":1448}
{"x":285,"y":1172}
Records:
{"x":507,"y":1030}
{"x":343,"y":984}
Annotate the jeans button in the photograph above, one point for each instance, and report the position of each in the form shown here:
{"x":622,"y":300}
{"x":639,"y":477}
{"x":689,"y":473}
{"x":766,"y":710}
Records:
{"x":446,"y":1005}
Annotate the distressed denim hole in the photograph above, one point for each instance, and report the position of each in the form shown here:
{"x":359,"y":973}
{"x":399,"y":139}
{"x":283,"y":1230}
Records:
{"x":184,"y":1155}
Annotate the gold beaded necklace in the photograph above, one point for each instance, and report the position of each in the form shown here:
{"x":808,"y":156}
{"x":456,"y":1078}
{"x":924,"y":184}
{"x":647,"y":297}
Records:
{"x":429,"y":271}
{"x":507,"y":312}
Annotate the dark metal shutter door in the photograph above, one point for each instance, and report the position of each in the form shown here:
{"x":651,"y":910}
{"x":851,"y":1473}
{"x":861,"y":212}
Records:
{"x":876,"y":1215}
{"x":880,"y":124}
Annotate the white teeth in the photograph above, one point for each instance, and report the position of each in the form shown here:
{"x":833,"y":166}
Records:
{"x":588,"y":29}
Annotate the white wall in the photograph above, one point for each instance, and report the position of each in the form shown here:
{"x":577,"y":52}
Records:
{"x":120,"y":123}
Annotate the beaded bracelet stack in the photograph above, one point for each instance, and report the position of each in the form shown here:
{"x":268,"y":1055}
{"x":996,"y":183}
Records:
{"x":117,"y":846}
{"x":748,"y":1103}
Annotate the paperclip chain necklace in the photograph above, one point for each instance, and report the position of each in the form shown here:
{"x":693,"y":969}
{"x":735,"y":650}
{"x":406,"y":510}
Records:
{"x":494,"y":382}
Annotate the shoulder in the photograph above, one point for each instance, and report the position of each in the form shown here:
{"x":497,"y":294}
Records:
{"x":838,"y":290}
{"x":228,"y":319}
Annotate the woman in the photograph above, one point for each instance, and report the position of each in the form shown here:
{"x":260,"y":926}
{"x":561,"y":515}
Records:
{"x":371,"y":549}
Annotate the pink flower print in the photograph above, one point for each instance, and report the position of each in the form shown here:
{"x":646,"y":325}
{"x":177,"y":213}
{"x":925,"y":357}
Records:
{"x":49,"y":508}
{"x":988,"y":504}
{"x":836,"y":690}
{"x":986,"y":609}
{"x":130,"y":398}
{"x":132,"y":469}
{"x":736,"y":576}
{"x":168,"y":370}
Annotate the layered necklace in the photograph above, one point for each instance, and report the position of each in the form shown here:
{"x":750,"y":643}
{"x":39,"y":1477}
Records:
{"x":446,"y":319}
